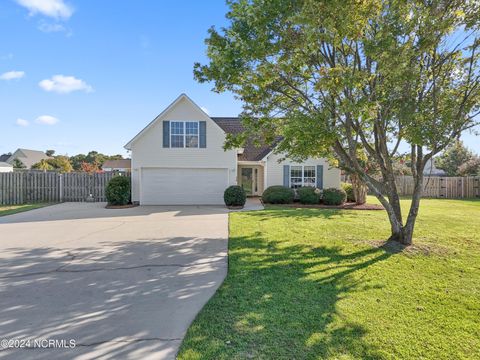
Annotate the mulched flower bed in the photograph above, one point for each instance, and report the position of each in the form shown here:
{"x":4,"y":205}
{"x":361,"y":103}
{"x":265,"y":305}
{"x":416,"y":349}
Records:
{"x":346,"y":206}
{"x":121,"y":206}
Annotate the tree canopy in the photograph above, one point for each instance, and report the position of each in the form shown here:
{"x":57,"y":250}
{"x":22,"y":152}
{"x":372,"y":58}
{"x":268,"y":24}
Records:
{"x":331,"y":77}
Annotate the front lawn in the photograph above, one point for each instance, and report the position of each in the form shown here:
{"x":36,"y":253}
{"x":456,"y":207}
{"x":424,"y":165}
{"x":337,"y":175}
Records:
{"x":317,"y":284}
{"x":13,"y":209}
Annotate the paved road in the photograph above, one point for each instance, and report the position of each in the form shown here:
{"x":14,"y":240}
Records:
{"x":123,"y":284}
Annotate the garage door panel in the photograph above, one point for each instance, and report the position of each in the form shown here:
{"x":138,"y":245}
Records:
{"x":169,"y":186}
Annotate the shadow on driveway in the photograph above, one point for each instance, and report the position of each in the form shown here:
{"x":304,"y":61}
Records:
{"x":114,"y":287}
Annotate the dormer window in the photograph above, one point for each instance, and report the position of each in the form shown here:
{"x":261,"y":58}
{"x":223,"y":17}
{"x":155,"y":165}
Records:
{"x":184,"y":134}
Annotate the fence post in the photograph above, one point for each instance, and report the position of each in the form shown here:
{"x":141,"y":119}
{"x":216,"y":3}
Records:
{"x":60,"y":185}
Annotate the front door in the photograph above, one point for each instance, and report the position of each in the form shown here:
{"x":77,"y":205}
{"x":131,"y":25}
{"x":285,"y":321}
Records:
{"x":248,"y":178}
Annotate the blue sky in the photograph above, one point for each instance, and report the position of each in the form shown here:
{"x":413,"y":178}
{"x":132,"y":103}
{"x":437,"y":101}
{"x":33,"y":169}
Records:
{"x":85,"y":75}
{"x":128,"y":60}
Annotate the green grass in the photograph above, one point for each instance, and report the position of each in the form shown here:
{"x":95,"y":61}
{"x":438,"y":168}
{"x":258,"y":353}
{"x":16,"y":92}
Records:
{"x":13,"y":209}
{"x":315,"y":284}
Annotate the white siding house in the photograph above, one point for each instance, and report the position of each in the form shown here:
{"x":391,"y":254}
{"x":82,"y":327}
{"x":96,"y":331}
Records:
{"x":179,"y":159}
{"x":6,"y":167}
{"x":163,"y":174}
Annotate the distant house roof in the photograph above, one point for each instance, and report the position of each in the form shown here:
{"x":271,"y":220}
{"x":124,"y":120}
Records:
{"x":28,"y":157}
{"x":431,"y":170}
{"x":251,"y":152}
{"x":4,"y":157}
{"x":5,"y":164}
{"x":117,"y":164}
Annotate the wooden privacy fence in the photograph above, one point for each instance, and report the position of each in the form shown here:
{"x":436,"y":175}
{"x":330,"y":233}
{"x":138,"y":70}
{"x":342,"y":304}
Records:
{"x":442,"y":187}
{"x":439,"y":187}
{"x":31,"y":186}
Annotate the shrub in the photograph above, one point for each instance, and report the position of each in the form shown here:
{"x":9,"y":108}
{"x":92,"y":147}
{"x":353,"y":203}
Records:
{"x":118,"y":190}
{"x":278,"y":195}
{"x":234,"y":196}
{"x":348,"y":188}
{"x":333,"y":196}
{"x":308,"y":195}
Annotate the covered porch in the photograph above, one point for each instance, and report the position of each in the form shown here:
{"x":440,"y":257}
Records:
{"x":251,"y":176}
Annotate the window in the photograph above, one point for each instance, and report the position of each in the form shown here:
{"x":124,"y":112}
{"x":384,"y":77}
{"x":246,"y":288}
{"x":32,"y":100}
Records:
{"x":302,"y":176}
{"x":184,"y":134}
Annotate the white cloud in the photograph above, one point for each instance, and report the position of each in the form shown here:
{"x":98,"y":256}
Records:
{"x":205,"y":110}
{"x":57,"y":9}
{"x":46,"y":120}
{"x":48,"y":28}
{"x":64,"y":84}
{"x":10,"y":75}
{"x":22,"y":122}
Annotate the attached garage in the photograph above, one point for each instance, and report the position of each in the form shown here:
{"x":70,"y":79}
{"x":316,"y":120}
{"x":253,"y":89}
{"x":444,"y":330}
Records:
{"x":183,"y":186}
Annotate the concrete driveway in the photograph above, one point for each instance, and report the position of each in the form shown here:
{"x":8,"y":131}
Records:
{"x":122,"y":284}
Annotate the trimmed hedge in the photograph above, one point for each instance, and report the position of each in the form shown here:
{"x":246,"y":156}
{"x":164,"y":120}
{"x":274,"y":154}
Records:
{"x":118,"y":190}
{"x":308,"y":195}
{"x":234,"y":196}
{"x":333,"y":196}
{"x":278,"y":195}
{"x":348,"y":188}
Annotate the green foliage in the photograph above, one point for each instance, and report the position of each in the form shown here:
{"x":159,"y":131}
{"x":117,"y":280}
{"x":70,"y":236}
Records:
{"x":234,"y":196}
{"x":18,"y":164}
{"x":348,"y":188}
{"x":315,"y":284}
{"x":453,"y":158}
{"x":470,"y":167}
{"x":93,"y":159}
{"x":43,"y":164}
{"x":58,"y":163}
{"x":118,"y":190}
{"x":334,"y":196}
{"x":278,"y":194}
{"x":308,"y":195}
{"x":50,"y":152}
{"x":333,"y":77}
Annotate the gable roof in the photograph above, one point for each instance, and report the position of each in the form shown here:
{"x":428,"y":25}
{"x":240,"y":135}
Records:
{"x":183,"y":96}
{"x":28,"y":157}
{"x":251,"y":152}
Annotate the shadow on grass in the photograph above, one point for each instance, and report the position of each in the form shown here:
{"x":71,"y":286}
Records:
{"x":281,"y":302}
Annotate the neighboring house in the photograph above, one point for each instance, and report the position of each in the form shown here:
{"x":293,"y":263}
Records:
{"x":5,"y":167}
{"x":179,"y":159}
{"x":27,"y":157}
{"x":5,"y":157}
{"x":117,"y":165}
{"x":431,"y":170}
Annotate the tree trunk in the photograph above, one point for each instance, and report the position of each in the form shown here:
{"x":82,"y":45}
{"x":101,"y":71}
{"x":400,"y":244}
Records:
{"x":359,"y":189}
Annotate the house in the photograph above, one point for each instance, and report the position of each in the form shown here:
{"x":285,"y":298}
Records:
{"x":117,"y":165}
{"x":178,"y":159}
{"x":431,"y":170}
{"x":5,"y":157}
{"x":27,"y":157}
{"x":5,"y":167}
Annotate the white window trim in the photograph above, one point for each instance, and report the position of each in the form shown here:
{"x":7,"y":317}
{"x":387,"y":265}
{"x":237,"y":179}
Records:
{"x":303,"y":175}
{"x":184,"y":134}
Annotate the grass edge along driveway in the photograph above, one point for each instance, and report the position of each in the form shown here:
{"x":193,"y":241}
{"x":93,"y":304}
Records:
{"x":14,"y":209}
{"x":318,"y":284}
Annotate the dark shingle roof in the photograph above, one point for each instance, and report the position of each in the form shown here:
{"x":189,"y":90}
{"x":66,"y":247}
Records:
{"x":4,"y":157}
{"x":251,"y":152}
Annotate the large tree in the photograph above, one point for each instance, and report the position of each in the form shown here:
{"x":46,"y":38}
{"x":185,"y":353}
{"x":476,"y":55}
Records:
{"x":332,"y":77}
{"x":454,"y":156}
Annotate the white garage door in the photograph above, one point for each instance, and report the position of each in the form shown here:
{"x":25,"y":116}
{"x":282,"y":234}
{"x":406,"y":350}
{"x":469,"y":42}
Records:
{"x":166,"y":186}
